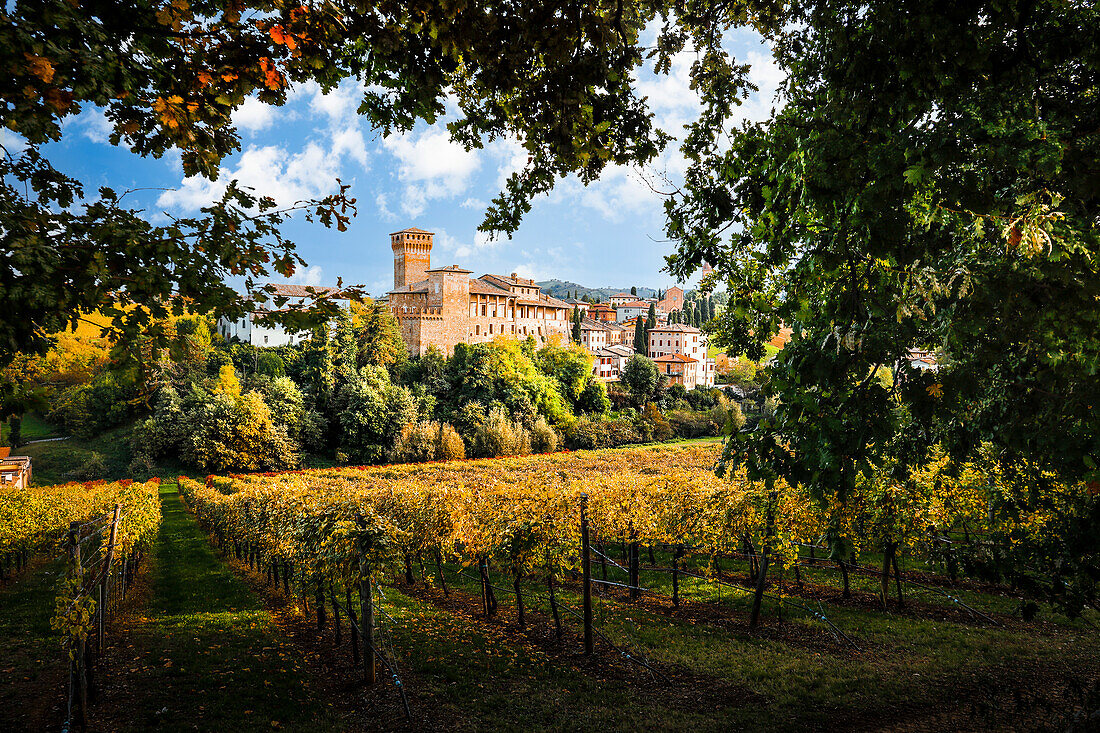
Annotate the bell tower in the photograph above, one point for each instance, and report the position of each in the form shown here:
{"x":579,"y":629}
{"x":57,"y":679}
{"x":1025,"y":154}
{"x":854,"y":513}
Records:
{"x":412,"y":255}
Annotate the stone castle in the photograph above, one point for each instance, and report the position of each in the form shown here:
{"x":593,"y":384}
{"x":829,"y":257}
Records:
{"x":444,"y":306}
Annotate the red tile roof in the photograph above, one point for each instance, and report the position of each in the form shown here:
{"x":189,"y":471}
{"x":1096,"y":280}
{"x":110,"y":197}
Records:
{"x":291,"y":290}
{"x":678,"y":358}
{"x":676,"y":328}
{"x":412,"y":230}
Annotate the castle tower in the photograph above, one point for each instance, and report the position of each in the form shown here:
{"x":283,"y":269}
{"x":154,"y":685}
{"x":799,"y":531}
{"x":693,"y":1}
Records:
{"x":412,"y":255}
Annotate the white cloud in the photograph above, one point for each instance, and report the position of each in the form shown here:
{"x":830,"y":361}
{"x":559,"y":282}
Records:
{"x":475,"y":204}
{"x":350,"y":140}
{"x":311,"y":276}
{"x":271,"y":171}
{"x":340,"y":103}
{"x":382,"y":201}
{"x":461,"y":249}
{"x":431,"y":167}
{"x":253,"y":115}
{"x":13,"y":142}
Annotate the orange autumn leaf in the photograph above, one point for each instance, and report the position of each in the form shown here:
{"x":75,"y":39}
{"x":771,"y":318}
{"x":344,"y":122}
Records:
{"x":40,"y":67}
{"x":204,"y":78}
{"x":272,"y":78}
{"x":228,"y":76}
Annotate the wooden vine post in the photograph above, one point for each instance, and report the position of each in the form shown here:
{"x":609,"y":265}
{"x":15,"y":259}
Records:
{"x":586,"y":577}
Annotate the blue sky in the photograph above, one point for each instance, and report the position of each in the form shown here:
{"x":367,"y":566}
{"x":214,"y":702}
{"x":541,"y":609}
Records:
{"x":607,"y":234}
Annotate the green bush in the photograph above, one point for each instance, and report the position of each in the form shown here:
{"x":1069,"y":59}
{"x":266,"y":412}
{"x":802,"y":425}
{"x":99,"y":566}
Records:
{"x":428,"y":441}
{"x":544,"y":439}
{"x":499,"y":435}
{"x":270,"y":364}
{"x":92,"y":469}
{"x":589,"y":434}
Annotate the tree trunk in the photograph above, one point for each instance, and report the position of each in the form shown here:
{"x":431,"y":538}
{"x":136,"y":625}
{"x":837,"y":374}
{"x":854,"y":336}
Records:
{"x":408,"y":570}
{"x":335,"y":614}
{"x":844,"y":575}
{"x":553,"y":602}
{"x":635,"y":571}
{"x":897,"y":580}
{"x":758,"y":596}
{"x":353,"y":621}
{"x":319,"y":598}
{"x":884,"y":576}
{"x":676,"y":575}
{"x":439,"y":569}
{"x":519,"y":596}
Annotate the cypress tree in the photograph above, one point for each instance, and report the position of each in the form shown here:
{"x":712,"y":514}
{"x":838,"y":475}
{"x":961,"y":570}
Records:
{"x":651,"y":319}
{"x":633,"y":290}
{"x":577,"y":324}
{"x":639,"y":337}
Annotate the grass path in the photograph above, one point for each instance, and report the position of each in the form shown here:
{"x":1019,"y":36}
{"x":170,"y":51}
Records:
{"x":203,"y":653}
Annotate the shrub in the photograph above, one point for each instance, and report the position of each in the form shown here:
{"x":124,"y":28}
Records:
{"x":589,"y":434}
{"x":499,"y":435}
{"x":544,"y":439}
{"x":93,"y":468}
{"x":428,"y":441}
{"x":661,"y":428}
{"x":690,"y":424}
{"x":270,"y":364}
{"x":728,"y":417}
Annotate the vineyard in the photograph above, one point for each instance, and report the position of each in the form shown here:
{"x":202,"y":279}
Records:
{"x":100,"y":532}
{"x":621,"y":589}
{"x":642,"y":528}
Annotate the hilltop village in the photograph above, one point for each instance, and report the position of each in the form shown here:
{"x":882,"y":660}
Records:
{"x":441,"y":306}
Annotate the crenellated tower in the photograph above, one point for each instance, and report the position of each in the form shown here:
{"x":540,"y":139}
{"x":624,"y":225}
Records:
{"x":412,"y":255}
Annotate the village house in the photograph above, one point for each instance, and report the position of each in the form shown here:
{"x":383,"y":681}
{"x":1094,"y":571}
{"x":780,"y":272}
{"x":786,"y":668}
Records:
{"x":637,"y":308}
{"x":593,"y":335}
{"x":15,"y":471}
{"x":619,"y":298}
{"x":601,"y":312}
{"x":680,"y":369}
{"x":597,"y":334}
{"x":250,"y":329}
{"x":444,"y":306}
{"x":610,"y":362}
{"x":678,"y":339}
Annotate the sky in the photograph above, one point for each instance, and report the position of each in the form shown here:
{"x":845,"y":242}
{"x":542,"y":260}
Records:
{"x":608,"y":234}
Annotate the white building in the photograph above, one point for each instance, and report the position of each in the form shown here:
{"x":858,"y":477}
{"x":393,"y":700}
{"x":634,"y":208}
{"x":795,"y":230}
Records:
{"x":678,"y":338}
{"x":610,"y":362}
{"x":250,"y":331}
{"x":626,"y":311}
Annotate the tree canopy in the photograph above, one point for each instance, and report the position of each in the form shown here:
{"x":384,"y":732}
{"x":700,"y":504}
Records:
{"x":170,"y":74}
{"x":928,"y":181}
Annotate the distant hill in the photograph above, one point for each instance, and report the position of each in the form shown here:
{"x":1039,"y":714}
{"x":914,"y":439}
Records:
{"x":566,"y":289}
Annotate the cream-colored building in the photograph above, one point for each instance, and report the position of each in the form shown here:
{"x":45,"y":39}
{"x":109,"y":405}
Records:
{"x":688,"y":341}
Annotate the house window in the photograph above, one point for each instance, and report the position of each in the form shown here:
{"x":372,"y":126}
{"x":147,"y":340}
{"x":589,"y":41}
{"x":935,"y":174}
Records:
{"x":490,"y":328}
{"x":265,"y":339}
{"x":477,"y":330}
{"x":483,"y":309}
